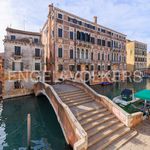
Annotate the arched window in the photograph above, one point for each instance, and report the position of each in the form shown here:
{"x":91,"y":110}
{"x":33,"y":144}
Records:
{"x":87,"y":54}
{"x":98,"y":56}
{"x":82,"y":54}
{"x":78,"y":53}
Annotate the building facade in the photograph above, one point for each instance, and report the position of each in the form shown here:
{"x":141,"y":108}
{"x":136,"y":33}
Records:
{"x":136,"y":55}
{"x":75,"y":44}
{"x":148,"y":60}
{"x":23,"y":61}
{"x":1,"y":72}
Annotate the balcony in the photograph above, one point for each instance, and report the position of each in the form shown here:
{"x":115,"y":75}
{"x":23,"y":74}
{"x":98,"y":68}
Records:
{"x":17,"y":55}
{"x":37,"y":56}
{"x":83,"y":61}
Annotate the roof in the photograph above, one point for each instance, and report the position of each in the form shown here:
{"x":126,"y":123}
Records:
{"x":144,"y":95}
{"x":51,"y":5}
{"x":23,"y":32}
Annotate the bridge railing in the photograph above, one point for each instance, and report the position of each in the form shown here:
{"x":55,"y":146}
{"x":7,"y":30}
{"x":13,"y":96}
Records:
{"x":130,"y":120}
{"x":73,"y":132}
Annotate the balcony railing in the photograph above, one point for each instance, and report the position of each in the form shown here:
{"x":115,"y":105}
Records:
{"x":83,"y":61}
{"x":17,"y":55}
{"x":37,"y":56}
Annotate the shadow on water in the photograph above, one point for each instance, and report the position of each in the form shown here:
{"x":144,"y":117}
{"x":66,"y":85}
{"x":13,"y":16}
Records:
{"x":46,"y":133}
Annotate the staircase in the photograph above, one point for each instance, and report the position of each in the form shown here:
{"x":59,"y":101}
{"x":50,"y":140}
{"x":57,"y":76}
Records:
{"x":104,"y":129}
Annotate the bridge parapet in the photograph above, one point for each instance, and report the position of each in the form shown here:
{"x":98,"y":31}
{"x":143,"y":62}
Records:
{"x":130,"y":120}
{"x":73,"y":131}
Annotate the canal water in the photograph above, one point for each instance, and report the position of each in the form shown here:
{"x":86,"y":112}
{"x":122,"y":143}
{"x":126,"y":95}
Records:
{"x":46,"y":132}
{"x":115,"y":89}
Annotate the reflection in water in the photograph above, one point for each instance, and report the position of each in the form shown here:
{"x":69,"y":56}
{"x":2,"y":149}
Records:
{"x":46,"y":133}
{"x":114,"y":90}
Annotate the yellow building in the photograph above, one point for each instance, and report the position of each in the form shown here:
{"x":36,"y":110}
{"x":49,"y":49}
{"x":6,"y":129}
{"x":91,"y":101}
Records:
{"x":1,"y":71}
{"x":148,"y":60}
{"x":136,"y":55}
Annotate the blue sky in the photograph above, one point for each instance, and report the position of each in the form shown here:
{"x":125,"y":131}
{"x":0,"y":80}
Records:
{"x":126,"y":16}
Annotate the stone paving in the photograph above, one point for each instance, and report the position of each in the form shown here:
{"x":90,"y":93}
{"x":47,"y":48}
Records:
{"x":142,"y":140}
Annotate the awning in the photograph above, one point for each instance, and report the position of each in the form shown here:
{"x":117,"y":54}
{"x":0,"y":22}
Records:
{"x":144,"y":95}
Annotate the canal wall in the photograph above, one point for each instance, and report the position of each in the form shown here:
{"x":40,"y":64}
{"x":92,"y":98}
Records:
{"x":16,"y":84}
{"x":73,"y":131}
{"x":130,"y":120}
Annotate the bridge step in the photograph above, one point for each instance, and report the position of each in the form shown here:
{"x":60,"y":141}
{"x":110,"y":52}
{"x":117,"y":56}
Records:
{"x":102,"y":127}
{"x":80,"y":103}
{"x":70,"y":92}
{"x":99,"y":122}
{"x":108,"y":140}
{"x":104,"y":130}
{"x":74,"y":98}
{"x":104,"y":134}
{"x":78,"y":100}
{"x":92,"y":114}
{"x":89,"y":120}
{"x":121,"y":140}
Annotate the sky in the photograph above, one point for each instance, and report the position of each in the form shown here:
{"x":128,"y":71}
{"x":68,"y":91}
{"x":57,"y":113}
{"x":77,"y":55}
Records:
{"x":131,"y":17}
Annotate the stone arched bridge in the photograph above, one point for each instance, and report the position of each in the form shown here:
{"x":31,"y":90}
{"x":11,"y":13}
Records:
{"x":89,"y":120}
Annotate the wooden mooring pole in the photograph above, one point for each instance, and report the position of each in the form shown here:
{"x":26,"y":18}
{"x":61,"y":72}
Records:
{"x":29,"y":131}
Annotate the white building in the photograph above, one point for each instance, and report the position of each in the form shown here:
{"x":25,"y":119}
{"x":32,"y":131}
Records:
{"x":23,"y":56}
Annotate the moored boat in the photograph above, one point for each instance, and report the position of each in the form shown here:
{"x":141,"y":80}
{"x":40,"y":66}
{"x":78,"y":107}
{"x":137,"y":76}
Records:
{"x":126,"y":98}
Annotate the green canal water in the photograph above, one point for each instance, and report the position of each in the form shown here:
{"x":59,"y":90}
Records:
{"x":114,"y":90}
{"x":46,"y":132}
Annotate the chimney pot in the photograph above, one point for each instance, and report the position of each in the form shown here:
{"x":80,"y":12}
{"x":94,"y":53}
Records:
{"x":95,"y":19}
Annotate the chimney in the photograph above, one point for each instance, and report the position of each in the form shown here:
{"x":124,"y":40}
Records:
{"x":51,"y":7}
{"x":95,"y":19}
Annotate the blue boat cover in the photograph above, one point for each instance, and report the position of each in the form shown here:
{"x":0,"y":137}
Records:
{"x":126,"y":94}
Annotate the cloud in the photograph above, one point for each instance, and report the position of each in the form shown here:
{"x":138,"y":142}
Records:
{"x":128,"y":17}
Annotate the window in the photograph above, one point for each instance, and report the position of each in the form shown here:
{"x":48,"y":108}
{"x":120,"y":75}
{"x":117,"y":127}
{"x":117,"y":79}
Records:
{"x":13,"y":66}
{"x":71,"y":67}
{"x":109,"y":44}
{"x":99,"y":68}
{"x":60,"y":16}
{"x":71,"y":54}
{"x":59,"y":32}
{"x":37,"y":66}
{"x":78,"y":35}
{"x":78,"y":67}
{"x":71,"y":35}
{"x":78,"y":53}
{"x":109,"y":67}
{"x":92,"y":56}
{"x":98,"y":41}
{"x":17,"y":50}
{"x":36,"y":40}
{"x":60,"y":52}
{"x":21,"y":66}
{"x":102,"y":56}
{"x":98,"y":56}
{"x":17,"y":84}
{"x":92,"y":67}
{"x":103,"y":42}
{"x":82,"y":53}
{"x":87,"y":54}
{"x":60,"y":67}
{"x":13,"y":37}
{"x":92,"y":40}
{"x":37,"y":52}
{"x":102,"y":30}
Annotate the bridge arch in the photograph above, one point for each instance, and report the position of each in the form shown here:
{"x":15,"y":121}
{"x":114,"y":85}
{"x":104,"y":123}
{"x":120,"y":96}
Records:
{"x":72,"y":130}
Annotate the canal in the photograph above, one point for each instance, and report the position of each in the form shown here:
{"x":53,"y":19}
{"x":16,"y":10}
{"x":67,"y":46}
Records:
{"x":46,"y":131}
{"x":115,"y":89}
